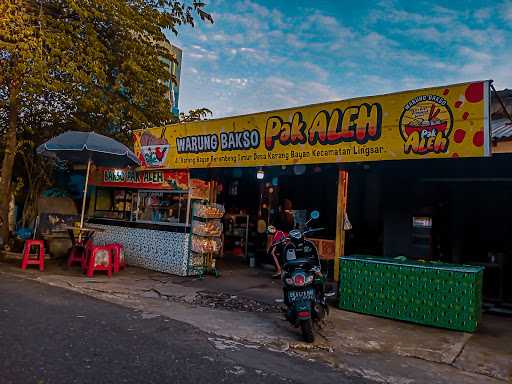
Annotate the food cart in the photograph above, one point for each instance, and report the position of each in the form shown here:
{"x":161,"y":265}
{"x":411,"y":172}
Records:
{"x":149,"y":212}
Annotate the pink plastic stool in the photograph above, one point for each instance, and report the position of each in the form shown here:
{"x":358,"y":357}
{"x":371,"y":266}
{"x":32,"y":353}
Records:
{"x":27,"y":260}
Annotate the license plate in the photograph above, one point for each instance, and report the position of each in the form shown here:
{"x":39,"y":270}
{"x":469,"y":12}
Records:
{"x":308,"y":294}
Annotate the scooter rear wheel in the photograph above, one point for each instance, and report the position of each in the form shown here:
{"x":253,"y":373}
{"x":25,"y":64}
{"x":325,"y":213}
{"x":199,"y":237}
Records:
{"x":306,"y":327}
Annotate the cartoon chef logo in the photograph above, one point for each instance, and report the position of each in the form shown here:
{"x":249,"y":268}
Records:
{"x":153,"y":150}
{"x":425,"y":125}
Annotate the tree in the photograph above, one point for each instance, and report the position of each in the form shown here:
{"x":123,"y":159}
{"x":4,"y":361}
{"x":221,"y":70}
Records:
{"x":84,"y":65}
{"x":195,"y":115}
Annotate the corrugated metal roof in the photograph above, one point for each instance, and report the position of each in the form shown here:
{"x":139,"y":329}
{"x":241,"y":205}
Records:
{"x":501,"y":129}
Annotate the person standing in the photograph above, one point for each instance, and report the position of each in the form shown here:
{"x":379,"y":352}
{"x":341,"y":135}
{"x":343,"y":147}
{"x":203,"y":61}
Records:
{"x":284,"y":223}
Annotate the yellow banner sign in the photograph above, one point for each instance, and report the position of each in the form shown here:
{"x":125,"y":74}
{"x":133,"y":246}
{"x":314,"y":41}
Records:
{"x":450,"y":121}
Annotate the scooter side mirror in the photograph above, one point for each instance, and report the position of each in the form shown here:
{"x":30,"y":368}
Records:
{"x":314,"y":215}
{"x":271,"y":229}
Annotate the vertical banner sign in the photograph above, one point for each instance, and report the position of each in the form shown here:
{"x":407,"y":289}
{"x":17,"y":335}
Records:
{"x":443,"y":122}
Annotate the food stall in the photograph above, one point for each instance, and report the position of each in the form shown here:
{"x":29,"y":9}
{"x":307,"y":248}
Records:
{"x":399,"y":134}
{"x":149,"y":213}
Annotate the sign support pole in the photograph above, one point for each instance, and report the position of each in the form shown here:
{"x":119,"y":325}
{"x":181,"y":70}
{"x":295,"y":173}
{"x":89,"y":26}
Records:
{"x":340,"y":219}
{"x":189,"y":200}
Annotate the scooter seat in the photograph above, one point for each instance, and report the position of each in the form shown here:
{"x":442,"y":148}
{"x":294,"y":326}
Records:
{"x":306,"y":264}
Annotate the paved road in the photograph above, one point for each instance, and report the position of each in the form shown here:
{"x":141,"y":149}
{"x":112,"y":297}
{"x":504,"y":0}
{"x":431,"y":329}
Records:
{"x":51,"y":335}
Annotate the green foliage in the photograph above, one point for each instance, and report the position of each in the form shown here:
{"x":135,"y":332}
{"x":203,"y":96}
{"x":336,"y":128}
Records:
{"x":195,"y":115}
{"x":83,"y":65}
{"x":91,"y":64}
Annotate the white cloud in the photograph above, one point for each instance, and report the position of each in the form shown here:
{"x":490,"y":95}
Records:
{"x":444,"y":66}
{"x":200,"y":56}
{"x":320,"y":73}
{"x":389,"y":11}
{"x":457,"y":33}
{"x":282,"y":93}
{"x":202,"y":37}
{"x":472,"y":70}
{"x":482,"y":14}
{"x":219,"y":37}
{"x":319,"y":92}
{"x":252,"y":7}
{"x":506,"y":11}
{"x":501,"y":73}
{"x":230,"y":81}
{"x":430,"y":34}
{"x":224,"y":38}
{"x":249,"y":21}
{"x":441,"y":25}
{"x":376,"y":40}
{"x":278,"y":20}
{"x":247,"y":50}
{"x":320,"y":20}
{"x":196,"y":56}
{"x":277,"y":84}
{"x":257,"y":58}
{"x":386,"y":84}
{"x":489,"y":36}
{"x":475,"y":55}
{"x":197,"y":52}
{"x":295,"y":42}
{"x":328,"y":25}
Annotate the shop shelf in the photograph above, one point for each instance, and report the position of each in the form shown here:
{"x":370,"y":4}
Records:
{"x":210,"y":228}
{"x":208,"y":211}
{"x":202,"y":244}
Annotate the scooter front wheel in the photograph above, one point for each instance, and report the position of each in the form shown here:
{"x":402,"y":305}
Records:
{"x":306,"y":327}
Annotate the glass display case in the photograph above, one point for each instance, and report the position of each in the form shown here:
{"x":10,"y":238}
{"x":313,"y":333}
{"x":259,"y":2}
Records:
{"x":112,"y":203}
{"x":166,"y":207}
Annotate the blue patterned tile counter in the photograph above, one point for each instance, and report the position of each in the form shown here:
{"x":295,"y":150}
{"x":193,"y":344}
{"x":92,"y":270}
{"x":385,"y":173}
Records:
{"x":160,"y":251}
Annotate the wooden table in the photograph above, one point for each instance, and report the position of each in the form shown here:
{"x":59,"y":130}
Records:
{"x":86,"y":233}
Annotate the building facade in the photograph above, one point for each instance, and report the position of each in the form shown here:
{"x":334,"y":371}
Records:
{"x":174,"y":67}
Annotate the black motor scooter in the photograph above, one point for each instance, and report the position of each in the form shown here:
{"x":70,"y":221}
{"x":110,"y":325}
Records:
{"x":303,"y":282}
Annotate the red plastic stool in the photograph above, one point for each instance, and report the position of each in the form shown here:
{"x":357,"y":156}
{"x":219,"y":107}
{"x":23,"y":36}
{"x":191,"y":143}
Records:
{"x":77,"y":255}
{"x":118,"y":258}
{"x":27,"y":260}
{"x":98,"y":258}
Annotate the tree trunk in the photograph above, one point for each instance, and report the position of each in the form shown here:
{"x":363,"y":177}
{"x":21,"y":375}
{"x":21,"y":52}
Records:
{"x":8,"y":161}
{"x":27,"y":206}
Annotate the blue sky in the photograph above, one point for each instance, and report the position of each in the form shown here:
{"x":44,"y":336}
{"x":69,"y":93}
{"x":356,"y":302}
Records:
{"x":262,"y":55}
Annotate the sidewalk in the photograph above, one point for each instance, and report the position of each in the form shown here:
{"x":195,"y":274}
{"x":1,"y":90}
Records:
{"x":239,"y":310}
